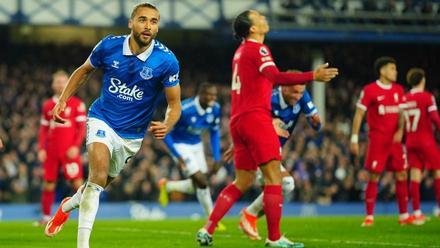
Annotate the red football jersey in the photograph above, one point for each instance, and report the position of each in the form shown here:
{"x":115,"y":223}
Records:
{"x":382,"y":103}
{"x":418,"y":104}
{"x":251,"y":91}
{"x":59,"y":137}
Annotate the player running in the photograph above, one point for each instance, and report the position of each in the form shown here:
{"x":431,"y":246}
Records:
{"x":288,"y":102}
{"x":137,"y":70}
{"x":256,"y":145}
{"x":59,"y":145}
{"x":199,"y":113}
{"x":423,"y":151}
{"x":382,"y":100}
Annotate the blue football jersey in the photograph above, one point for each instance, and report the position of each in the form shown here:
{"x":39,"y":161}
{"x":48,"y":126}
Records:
{"x":290,"y":114}
{"x":193,"y":121}
{"x":133,"y":85}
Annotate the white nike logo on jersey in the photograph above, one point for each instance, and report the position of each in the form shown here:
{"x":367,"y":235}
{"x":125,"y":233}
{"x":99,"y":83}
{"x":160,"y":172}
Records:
{"x":380,"y":98}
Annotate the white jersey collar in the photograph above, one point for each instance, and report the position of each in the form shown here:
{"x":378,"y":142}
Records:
{"x":416,"y":90}
{"x":384,"y":86}
{"x":142,"y":56}
{"x":199,"y":108}
{"x":283,"y":103}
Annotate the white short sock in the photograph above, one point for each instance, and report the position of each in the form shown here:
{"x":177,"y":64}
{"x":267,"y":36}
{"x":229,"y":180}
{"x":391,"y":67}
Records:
{"x":418,"y":213}
{"x":73,"y":202}
{"x":403,"y":216}
{"x":184,"y":186}
{"x":256,"y":206}
{"x":204,"y":197}
{"x":87,"y":213}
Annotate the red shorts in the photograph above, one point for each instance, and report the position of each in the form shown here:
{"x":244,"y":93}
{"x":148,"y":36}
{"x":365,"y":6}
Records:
{"x":424,"y":156}
{"x":72,"y":168}
{"x":255,"y":141}
{"x":381,"y":155}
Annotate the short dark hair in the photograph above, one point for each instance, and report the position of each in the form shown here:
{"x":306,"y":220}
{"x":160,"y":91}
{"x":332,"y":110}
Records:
{"x":204,"y":86}
{"x":381,"y":62}
{"x":142,"y":5}
{"x":415,"y":76}
{"x":242,"y":25}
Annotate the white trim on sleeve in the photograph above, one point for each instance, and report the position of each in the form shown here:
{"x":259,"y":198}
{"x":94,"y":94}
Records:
{"x":432,"y":108}
{"x":90,"y":61}
{"x":81,"y":118}
{"x":44,"y":122}
{"x":314,"y":112}
{"x":266,"y":64}
{"x":403,"y":106}
{"x":361,"y":106}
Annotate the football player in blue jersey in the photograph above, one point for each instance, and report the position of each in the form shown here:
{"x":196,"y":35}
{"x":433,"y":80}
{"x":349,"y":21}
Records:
{"x":199,"y":113}
{"x":288,"y":102}
{"x":137,"y":71}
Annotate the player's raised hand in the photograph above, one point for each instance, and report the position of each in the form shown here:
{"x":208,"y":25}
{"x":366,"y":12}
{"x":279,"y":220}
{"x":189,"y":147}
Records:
{"x":158,"y":129}
{"x":57,"y":110}
{"x":229,"y":154}
{"x":278,"y":125}
{"x":324,"y":73}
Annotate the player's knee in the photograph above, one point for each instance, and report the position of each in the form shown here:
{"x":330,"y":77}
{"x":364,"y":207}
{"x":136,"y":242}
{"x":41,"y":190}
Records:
{"x":200,"y":180}
{"x":243,"y":184}
{"x":288,"y":185}
{"x":201,"y":184}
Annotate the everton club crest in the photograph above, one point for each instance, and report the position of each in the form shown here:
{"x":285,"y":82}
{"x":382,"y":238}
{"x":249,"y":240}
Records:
{"x":146,"y":73}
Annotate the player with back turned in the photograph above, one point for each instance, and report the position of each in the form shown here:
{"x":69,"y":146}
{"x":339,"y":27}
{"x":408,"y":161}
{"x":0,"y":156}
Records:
{"x":138,"y":70}
{"x":256,"y":144}
{"x":423,"y":151}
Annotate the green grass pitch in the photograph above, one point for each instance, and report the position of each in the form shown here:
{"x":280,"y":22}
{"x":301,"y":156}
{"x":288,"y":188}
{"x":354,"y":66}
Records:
{"x":313,"y":232}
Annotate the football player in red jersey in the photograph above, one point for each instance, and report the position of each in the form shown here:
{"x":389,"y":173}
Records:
{"x":59,"y":145}
{"x":256,"y":144}
{"x":382,"y":101}
{"x":423,"y":152}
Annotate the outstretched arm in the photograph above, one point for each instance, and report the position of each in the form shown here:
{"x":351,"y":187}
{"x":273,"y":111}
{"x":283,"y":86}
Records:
{"x":322,"y":73}
{"x":170,"y":144}
{"x":78,"y":78}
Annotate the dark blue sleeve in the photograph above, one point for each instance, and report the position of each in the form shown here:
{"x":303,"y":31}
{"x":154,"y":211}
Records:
{"x":97,"y":55}
{"x":171,"y":77}
{"x":170,"y":144}
{"x":215,"y":138}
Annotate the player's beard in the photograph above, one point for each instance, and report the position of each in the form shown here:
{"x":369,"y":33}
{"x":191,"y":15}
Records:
{"x":142,"y":42}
